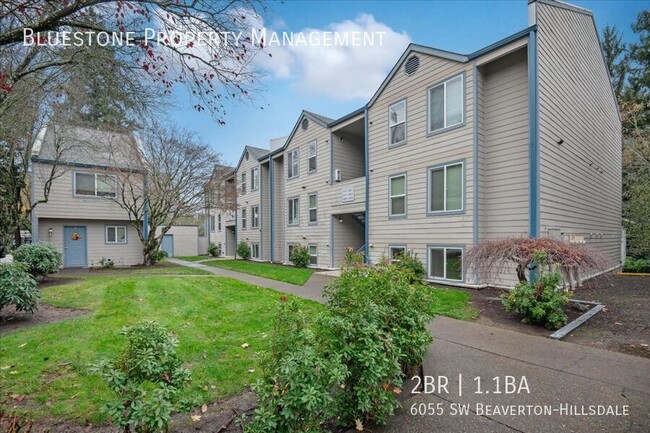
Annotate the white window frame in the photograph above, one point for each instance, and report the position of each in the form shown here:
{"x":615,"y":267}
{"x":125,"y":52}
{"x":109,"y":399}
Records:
{"x":310,"y":209}
{"x":293,"y":220}
{"x":445,"y":126}
{"x":309,"y":247}
{"x":242,"y":180}
{"x":391,"y":125}
{"x":312,"y":145}
{"x":444,"y":265}
{"x":462,"y":188}
{"x":255,"y":217}
{"x":244,"y":218}
{"x":255,"y":179}
{"x":293,"y":166}
{"x":395,"y":247}
{"x":255,"y":246}
{"x":391,"y":197}
{"x":74,"y":187}
{"x":212,"y":223}
{"x":115,"y":227}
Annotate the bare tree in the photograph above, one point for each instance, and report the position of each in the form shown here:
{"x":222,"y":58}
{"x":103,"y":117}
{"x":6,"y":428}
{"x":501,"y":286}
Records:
{"x":166,"y":183}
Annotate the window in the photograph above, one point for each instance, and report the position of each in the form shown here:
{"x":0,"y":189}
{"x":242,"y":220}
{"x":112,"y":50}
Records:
{"x":255,"y":251}
{"x":294,"y":211}
{"x":219,"y":222}
{"x":397,"y":195}
{"x":446,"y":104}
{"x":395,"y":253}
{"x":255,"y":178}
{"x":446,"y":188}
{"x":446,"y":263}
{"x":311,"y":160}
{"x":293,"y":167}
{"x":313,"y":208}
{"x":243,"y":218}
{"x":255,"y":214}
{"x":313,"y":254}
{"x":115,"y":234}
{"x":243,"y":183}
{"x":212,"y":221}
{"x":397,"y":123}
{"x":95,"y":184}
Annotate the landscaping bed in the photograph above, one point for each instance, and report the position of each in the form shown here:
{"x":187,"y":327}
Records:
{"x":622,"y":327}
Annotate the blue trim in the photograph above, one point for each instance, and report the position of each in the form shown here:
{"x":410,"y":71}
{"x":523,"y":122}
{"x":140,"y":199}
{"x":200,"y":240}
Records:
{"x":443,"y":83}
{"x":271,"y":174}
{"x":331,"y":241}
{"x":390,"y":202}
{"x":533,"y":151}
{"x":347,"y":116}
{"x":520,"y":34}
{"x":475,"y":162}
{"x":366,"y":219}
{"x":464,"y":188}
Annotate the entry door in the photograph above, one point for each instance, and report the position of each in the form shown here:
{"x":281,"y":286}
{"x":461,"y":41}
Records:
{"x":74,"y":245}
{"x":168,"y":245}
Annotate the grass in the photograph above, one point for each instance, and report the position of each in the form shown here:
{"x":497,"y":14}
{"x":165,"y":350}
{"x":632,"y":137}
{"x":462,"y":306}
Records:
{"x":453,"y":303}
{"x":288,"y":274}
{"x":193,"y":258}
{"x":162,"y":268}
{"x":211,"y":316}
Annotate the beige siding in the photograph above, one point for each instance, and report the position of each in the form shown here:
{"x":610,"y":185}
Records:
{"x":346,"y":233}
{"x":246,"y":201}
{"x":128,"y":254}
{"x":265,"y":213}
{"x":186,"y":240}
{"x":504,"y":142}
{"x":63,"y":203}
{"x":580,"y":185}
{"x":306,"y":183}
{"x":420,"y":151}
{"x":279,"y":209}
{"x":348,"y":155}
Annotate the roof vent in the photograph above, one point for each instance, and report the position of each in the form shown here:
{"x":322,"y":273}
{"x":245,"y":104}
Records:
{"x":412,"y":65}
{"x":305,"y":124}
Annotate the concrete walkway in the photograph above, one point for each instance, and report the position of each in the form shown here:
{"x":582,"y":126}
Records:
{"x":312,"y":289}
{"x":566,"y":379}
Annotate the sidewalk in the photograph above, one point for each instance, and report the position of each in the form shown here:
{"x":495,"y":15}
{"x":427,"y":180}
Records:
{"x":559,"y":376}
{"x":312,"y":289}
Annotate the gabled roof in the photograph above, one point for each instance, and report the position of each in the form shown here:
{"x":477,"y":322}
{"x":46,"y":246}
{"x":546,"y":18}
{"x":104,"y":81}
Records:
{"x":323,"y":119}
{"x":319,"y":119}
{"x":255,"y":152}
{"x":89,"y":147}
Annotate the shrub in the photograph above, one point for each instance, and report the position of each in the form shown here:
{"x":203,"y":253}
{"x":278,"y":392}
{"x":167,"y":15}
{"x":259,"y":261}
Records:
{"x":147,"y":378}
{"x":106,"y":263}
{"x":352,"y":257}
{"x":213,"y":249}
{"x":409,"y":262}
{"x":40,"y":259}
{"x":542,"y":301}
{"x":296,"y":392}
{"x":243,"y":250}
{"x":376,"y":321}
{"x":300,"y":256}
{"x":158,"y":255}
{"x":636,"y":265}
{"x":18,"y":288}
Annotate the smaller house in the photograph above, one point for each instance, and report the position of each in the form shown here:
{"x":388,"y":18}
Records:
{"x":76,"y":175}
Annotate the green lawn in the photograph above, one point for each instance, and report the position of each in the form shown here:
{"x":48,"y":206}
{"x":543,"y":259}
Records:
{"x":162,"y":268}
{"x":288,"y":274}
{"x":211,"y":316}
{"x":193,"y":258}
{"x":453,"y":303}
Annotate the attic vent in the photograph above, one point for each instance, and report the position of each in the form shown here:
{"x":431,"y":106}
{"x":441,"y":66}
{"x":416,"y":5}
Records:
{"x":305,"y":124}
{"x":246,"y":156}
{"x":412,"y":65}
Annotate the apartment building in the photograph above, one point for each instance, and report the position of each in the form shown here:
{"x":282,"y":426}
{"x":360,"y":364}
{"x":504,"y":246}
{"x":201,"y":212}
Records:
{"x":522,"y":137}
{"x":220,"y":209}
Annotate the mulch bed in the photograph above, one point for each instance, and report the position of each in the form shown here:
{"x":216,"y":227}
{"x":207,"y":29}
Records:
{"x":624,"y":325}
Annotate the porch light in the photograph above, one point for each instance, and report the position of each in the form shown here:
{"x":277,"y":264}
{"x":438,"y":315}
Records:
{"x":50,"y":231}
{"x":340,"y":220}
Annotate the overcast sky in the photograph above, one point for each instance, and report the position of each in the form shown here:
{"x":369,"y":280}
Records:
{"x":334,"y":81}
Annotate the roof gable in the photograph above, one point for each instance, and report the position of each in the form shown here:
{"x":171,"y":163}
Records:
{"x":254,"y":152}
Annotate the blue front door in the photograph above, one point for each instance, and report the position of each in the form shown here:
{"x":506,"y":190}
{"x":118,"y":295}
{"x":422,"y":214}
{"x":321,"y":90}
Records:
{"x":74,"y":247}
{"x":168,"y":245}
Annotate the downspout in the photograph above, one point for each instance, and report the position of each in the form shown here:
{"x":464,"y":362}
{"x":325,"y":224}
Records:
{"x":366,"y":219}
{"x":475,"y":163}
{"x":533,"y":124}
{"x":271,"y":208}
